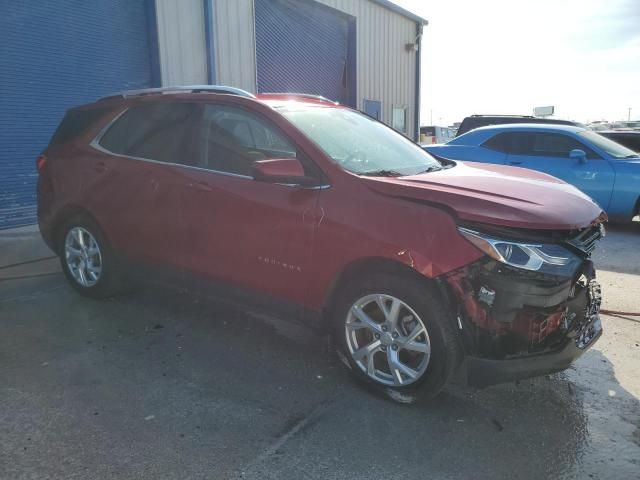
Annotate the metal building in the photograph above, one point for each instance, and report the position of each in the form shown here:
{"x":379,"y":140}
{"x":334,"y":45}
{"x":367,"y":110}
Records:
{"x":363,"y":53}
{"x":57,"y":54}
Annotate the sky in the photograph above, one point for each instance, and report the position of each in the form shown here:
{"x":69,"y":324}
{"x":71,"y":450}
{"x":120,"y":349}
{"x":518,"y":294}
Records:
{"x":502,"y":56}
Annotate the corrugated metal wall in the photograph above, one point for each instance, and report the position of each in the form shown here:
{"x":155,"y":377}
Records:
{"x":386,"y":71}
{"x":181,"y":41}
{"x":234,"y":38}
{"x":302,"y":47}
{"x":55,"y":55}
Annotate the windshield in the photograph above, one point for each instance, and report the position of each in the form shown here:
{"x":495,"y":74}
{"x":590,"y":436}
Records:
{"x":358,"y":143}
{"x":611,"y":147}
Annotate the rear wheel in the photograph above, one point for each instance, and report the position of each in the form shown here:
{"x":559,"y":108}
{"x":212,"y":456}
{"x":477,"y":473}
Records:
{"x":87,"y":259}
{"x":396,"y":336}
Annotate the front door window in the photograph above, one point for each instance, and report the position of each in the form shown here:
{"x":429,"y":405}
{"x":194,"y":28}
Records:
{"x":234,"y":139}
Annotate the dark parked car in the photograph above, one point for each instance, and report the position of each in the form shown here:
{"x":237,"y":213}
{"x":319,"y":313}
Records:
{"x":629,"y":139}
{"x":475,"y":121}
{"x":317,"y":211}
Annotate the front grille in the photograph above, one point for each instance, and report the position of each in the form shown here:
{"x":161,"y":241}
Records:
{"x":585,"y":241}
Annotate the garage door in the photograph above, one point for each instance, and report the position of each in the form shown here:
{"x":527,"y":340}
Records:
{"x":302,"y":47}
{"x":53,"y":55}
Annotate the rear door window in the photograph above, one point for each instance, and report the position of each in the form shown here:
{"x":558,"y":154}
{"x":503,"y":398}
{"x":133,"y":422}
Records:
{"x":498,"y":143}
{"x":514,"y":143}
{"x":156,"y":131}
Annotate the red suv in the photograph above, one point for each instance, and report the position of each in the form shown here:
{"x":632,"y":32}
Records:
{"x":420,"y":267}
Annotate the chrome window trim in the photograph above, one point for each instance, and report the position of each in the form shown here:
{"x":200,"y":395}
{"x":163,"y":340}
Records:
{"x":98,"y":137}
{"x":171,"y":164}
{"x":95,"y":144}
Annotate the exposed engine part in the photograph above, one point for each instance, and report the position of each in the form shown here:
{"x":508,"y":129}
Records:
{"x":486,"y":295}
{"x":590,"y":326}
{"x":505,"y":313}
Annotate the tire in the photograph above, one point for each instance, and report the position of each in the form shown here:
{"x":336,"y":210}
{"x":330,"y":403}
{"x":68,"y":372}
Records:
{"x":95,"y":259}
{"x":432,"y":356}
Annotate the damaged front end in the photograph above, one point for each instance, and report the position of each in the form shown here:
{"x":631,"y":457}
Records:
{"x":528,"y":308}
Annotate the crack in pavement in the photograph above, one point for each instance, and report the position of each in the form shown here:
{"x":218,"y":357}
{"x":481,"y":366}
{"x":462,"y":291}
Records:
{"x":300,"y":425}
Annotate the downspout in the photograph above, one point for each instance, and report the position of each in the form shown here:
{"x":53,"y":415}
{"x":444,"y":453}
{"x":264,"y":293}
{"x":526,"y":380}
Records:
{"x":209,"y":32}
{"x":154,"y":47}
{"x":419,"y":29}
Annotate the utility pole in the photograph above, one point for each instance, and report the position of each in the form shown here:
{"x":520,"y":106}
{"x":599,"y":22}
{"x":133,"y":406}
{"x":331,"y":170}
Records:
{"x":629,"y":115}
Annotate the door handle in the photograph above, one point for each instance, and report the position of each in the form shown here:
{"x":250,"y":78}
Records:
{"x":201,"y":186}
{"x":515,"y":162}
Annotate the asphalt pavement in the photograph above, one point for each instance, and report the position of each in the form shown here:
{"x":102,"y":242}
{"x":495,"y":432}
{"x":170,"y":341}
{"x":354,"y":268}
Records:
{"x":159,"y":384}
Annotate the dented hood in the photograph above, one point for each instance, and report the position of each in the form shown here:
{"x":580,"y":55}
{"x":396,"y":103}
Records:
{"x":497,"y":195}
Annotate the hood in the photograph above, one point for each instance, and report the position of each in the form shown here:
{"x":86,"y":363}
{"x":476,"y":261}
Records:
{"x":497,"y":195}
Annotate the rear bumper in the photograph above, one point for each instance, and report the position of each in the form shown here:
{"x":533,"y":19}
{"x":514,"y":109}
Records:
{"x":46,"y":230}
{"x":45,"y":212}
{"x":482,"y":372}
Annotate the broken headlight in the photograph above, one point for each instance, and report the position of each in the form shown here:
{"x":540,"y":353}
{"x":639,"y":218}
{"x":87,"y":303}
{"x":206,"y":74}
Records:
{"x":546,"y":258}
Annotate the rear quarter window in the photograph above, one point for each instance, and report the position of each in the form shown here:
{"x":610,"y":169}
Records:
{"x":75,"y":123}
{"x":156,"y":131}
{"x":498,"y":143}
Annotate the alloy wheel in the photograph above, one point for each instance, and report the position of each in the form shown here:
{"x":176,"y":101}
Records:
{"x":387,"y":340}
{"x":83,"y":256}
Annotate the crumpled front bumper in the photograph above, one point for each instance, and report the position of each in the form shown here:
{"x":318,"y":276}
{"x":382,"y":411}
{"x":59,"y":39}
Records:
{"x":482,"y":372}
{"x":519,"y":326}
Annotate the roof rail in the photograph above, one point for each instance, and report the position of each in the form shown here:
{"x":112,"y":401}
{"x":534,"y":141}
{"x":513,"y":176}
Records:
{"x":501,"y":115}
{"x":304,"y":95}
{"x":184,"y":89}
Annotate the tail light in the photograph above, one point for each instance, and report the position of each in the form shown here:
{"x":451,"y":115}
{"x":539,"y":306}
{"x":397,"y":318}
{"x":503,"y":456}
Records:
{"x":41,"y":161}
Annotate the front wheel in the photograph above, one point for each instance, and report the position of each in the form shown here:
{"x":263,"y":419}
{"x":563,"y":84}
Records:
{"x":396,"y":335}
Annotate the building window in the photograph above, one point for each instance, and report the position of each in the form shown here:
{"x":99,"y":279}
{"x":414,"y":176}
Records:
{"x":399,"y":119}
{"x":373,"y":108}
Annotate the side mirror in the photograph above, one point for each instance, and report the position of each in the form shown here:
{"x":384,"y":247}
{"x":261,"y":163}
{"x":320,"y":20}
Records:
{"x":281,"y":170}
{"x":578,"y":155}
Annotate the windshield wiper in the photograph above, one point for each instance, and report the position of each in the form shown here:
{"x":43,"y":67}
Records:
{"x":633,"y":155}
{"x":381,"y":173}
{"x":435,"y":168}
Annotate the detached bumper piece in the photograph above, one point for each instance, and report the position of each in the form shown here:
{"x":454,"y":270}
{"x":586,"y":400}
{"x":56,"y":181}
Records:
{"x":517,"y":324}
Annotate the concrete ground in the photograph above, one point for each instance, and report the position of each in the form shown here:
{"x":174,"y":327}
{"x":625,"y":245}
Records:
{"x":161,"y":385}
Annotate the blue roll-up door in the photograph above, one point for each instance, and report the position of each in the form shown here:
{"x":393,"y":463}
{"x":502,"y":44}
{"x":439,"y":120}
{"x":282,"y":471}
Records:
{"x":56,"y":54}
{"x":303,"y":47}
